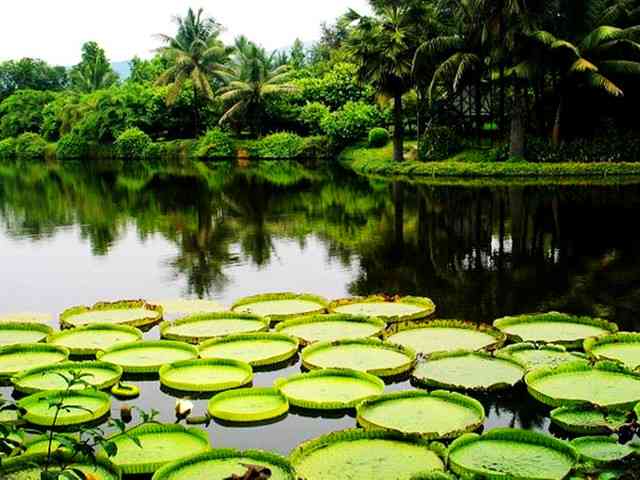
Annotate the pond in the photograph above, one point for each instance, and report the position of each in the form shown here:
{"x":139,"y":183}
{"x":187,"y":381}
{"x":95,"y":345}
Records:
{"x":76,"y":233}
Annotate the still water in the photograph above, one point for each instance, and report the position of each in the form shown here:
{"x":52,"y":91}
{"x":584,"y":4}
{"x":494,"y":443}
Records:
{"x":74,"y":234}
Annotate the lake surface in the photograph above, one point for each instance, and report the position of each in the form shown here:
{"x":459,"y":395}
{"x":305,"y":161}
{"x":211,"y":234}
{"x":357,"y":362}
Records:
{"x":74,"y":233}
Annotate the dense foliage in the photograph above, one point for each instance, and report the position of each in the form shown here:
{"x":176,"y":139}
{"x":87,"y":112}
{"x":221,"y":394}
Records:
{"x":215,"y":144}
{"x":72,"y":146}
{"x":22,"y":112}
{"x":280,"y":145}
{"x":30,"y":146}
{"x":439,"y":143}
{"x":132,"y":143}
{"x":378,"y":137}
{"x":351,"y":123}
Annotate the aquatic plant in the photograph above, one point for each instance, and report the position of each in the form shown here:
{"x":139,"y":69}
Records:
{"x":205,"y":375}
{"x":257,"y":349}
{"x":331,"y":327}
{"x":248,"y":405}
{"x":135,"y":313}
{"x":281,"y":306}
{"x":391,"y":309}
{"x":201,"y":327}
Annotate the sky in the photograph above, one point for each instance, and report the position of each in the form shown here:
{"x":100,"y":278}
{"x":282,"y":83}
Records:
{"x":55,"y":30}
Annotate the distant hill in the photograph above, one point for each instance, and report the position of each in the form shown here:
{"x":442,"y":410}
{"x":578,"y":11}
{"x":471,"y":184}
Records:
{"x":123,"y":69}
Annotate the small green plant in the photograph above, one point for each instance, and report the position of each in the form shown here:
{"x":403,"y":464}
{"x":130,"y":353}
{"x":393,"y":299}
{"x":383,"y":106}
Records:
{"x":30,"y":146}
{"x":312,"y":115}
{"x":378,"y":137}
{"x":439,"y":143}
{"x":317,"y":146}
{"x":215,"y":144}
{"x":7,"y":148}
{"x":132,"y":143}
{"x":280,"y":145}
{"x":72,"y":146}
{"x":351,"y":123}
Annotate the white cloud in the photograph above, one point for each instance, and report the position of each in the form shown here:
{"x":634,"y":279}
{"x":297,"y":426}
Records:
{"x":55,"y":30}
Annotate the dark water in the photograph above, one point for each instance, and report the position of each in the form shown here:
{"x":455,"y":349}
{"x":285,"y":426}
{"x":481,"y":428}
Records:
{"x":75,"y":234}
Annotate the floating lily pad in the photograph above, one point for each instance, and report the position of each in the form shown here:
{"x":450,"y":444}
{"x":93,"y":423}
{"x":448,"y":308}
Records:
{"x":621,"y":347}
{"x":26,"y":317}
{"x":554,"y":327}
{"x":605,"y":384}
{"x":180,"y":307}
{"x":370,"y":355}
{"x":199,"y":328}
{"x":444,"y":336}
{"x":100,"y":375}
{"x":585,"y":420}
{"x":148,"y":356}
{"x":601,"y":450}
{"x":13,"y":333}
{"x":16,"y":358}
{"x":434,"y":415}
{"x":257,"y":349}
{"x":158,"y":446}
{"x":328,"y":328}
{"x":40,"y":444}
{"x":397,"y":309}
{"x":92,"y":406}
{"x":509,"y":454}
{"x":31,"y":466}
{"x":464,"y":370}
{"x":89,"y":339}
{"x":206,"y":375}
{"x":362,"y":454}
{"x":535,"y":356}
{"x":223,"y":463}
{"x":278,"y":307}
{"x":329,"y":389}
{"x":135,"y":313}
{"x":248,"y":405}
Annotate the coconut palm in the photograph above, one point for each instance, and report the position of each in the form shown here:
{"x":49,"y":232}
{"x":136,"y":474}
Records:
{"x":194,"y":55}
{"x":94,"y":72}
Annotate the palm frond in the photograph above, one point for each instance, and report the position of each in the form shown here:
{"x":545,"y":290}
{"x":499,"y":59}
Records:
{"x":600,"y":82}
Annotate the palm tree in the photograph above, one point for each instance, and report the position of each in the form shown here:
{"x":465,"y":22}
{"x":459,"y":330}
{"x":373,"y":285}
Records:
{"x":252,"y":79}
{"x":195,"y":54}
{"x":94,"y":71}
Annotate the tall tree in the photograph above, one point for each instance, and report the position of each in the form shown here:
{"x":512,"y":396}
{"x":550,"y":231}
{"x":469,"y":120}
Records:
{"x":94,"y":71}
{"x":30,"y":74}
{"x":298,"y":55}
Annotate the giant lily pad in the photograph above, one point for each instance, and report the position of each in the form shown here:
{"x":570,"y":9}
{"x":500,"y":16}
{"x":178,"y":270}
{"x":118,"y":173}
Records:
{"x":199,"y":328}
{"x":601,"y":450}
{"x":438,"y":414}
{"x":464,"y":370}
{"x":621,"y":347}
{"x":100,"y":375}
{"x":328,"y":328}
{"x":31,"y":467}
{"x":82,"y":406}
{"x":206,"y":375}
{"x":89,"y":339}
{"x":12,"y":333}
{"x":444,"y":336}
{"x":281,"y":306}
{"x":257,"y":349}
{"x":248,"y":405}
{"x":180,"y":307}
{"x":26,"y":317}
{"x":535,"y":356}
{"x":329,"y":389}
{"x":605,"y":384}
{"x":511,"y":454}
{"x":156,"y":446}
{"x":370,"y":355}
{"x":148,"y":356}
{"x":16,"y":358}
{"x":586,"y":420}
{"x":554,"y":327}
{"x":223,"y":463}
{"x":395,"y":309}
{"x":362,"y":454}
{"x":135,"y":313}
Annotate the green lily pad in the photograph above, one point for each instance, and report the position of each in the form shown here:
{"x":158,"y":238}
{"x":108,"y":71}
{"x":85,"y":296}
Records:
{"x":585,"y":420}
{"x":434,"y":415}
{"x":534,"y":356}
{"x":605,"y":384}
{"x":13,"y":333}
{"x":135,"y":313}
{"x":601,"y":450}
{"x":223,"y":463}
{"x":329,"y":389}
{"x":17,"y":358}
{"x":199,"y":328}
{"x":506,"y":453}
{"x":397,"y":309}
{"x":88,"y":340}
{"x":27,"y":317}
{"x":257,"y":349}
{"x":148,"y":356}
{"x":30,"y":467}
{"x":370,"y":355}
{"x":444,"y":336}
{"x":179,"y":307}
{"x":328,"y":328}
{"x":158,"y":446}
{"x":40,"y":444}
{"x":362,"y":454}
{"x":554,"y":327}
{"x":623,"y":347}
{"x":248,"y":405}
{"x":37,"y":409}
{"x":464,"y":370}
{"x":281,"y":306}
{"x":101,"y":375}
{"x":206,"y":375}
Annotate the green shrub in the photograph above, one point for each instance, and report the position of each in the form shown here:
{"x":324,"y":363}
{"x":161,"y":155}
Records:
{"x":280,"y":145}
{"x":7,"y":148}
{"x":351,"y":123}
{"x":312,"y":115}
{"x":378,"y":137}
{"x":606,"y":147}
{"x":30,"y":145}
{"x":22,"y":112}
{"x":132,"y":143}
{"x":439,"y":143}
{"x":215,"y":144}
{"x":72,"y":146}
{"x":153,"y":151}
{"x":317,"y":146}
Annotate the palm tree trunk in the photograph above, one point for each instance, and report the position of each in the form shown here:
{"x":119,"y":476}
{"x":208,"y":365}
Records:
{"x":555,"y":136}
{"x":196,"y":113}
{"x":503,"y":99}
{"x":398,"y":130}
{"x":517,"y":144}
{"x":478,"y":108}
